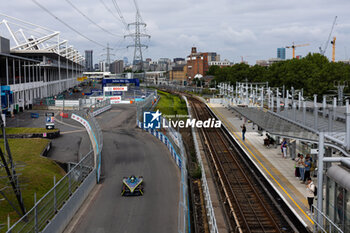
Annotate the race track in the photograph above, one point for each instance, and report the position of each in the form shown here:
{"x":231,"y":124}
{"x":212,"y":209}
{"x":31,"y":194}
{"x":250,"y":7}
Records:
{"x":128,"y":150}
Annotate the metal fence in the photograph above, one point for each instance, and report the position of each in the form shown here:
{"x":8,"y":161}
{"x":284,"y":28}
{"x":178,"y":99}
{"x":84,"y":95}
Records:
{"x":136,"y":92}
{"x":147,"y":105}
{"x":44,"y":209}
{"x":175,"y":87}
{"x":328,"y":225}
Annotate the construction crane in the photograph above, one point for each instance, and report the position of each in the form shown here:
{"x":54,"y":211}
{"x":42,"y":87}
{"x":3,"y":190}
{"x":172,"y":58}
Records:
{"x":333,"y":49}
{"x":293,"y":46}
{"x":323,"y":51}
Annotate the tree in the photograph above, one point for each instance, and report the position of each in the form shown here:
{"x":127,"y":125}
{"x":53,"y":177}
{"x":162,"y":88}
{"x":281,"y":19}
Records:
{"x":213,"y":69}
{"x":314,"y":73}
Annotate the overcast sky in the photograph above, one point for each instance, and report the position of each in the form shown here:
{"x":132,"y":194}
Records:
{"x":232,"y":28}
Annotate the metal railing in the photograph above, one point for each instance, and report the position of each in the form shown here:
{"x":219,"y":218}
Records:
{"x":93,"y":104}
{"x":147,"y":105}
{"x":175,"y":87}
{"x":328,"y":225}
{"x":44,"y":209}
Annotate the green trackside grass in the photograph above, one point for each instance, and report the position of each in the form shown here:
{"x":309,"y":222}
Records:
{"x":36,"y":176}
{"x":23,"y":130}
{"x":171,"y":104}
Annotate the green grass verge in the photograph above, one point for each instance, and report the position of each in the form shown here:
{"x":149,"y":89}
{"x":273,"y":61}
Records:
{"x":23,"y":130}
{"x":171,"y":104}
{"x":35,"y":177}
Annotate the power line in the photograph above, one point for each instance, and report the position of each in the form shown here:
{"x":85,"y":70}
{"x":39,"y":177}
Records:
{"x":120,"y":13}
{"x":90,"y":20}
{"x":67,"y":25}
{"x":110,"y":11}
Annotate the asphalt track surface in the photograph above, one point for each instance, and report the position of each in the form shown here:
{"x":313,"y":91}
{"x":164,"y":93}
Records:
{"x":128,"y":150}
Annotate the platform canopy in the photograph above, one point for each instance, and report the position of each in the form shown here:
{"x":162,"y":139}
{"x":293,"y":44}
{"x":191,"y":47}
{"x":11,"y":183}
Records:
{"x":278,"y":125}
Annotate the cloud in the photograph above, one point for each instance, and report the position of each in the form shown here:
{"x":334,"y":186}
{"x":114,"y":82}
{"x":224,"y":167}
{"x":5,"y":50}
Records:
{"x":232,"y":28}
{"x":235,"y":37}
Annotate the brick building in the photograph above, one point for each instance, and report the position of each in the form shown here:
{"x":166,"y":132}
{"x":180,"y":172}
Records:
{"x":197,"y":63}
{"x":178,"y":74}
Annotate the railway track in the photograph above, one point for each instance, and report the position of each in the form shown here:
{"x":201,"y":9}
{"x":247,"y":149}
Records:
{"x":250,"y":207}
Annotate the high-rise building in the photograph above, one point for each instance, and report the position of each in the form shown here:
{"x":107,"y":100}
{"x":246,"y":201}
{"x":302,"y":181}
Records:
{"x":117,"y":67}
{"x":212,"y":56}
{"x":281,"y":53}
{"x":103,"y":66}
{"x":126,"y":61}
{"x":178,"y":59}
{"x":89,"y":66}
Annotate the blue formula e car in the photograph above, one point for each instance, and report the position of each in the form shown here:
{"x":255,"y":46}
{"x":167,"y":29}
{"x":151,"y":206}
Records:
{"x":132,"y":186}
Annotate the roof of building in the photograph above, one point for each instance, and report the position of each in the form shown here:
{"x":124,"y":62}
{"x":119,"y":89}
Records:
{"x":45,"y":53}
{"x":178,"y":68}
{"x":340,"y":174}
{"x":18,"y":57}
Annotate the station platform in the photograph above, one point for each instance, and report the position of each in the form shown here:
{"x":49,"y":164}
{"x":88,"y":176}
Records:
{"x":279,"y":171}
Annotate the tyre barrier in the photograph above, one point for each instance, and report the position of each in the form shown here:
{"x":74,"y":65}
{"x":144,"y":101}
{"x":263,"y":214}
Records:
{"x":50,"y":135}
{"x":46,"y":150}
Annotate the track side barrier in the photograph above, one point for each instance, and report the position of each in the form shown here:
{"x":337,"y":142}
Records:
{"x":180,"y":160}
{"x":101,"y":110}
{"x":177,"y":152}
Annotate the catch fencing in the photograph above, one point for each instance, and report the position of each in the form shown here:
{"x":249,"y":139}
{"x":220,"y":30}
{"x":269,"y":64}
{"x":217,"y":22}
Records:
{"x":36,"y":219}
{"x":173,"y":140}
{"x":147,"y":105}
{"x":95,"y":134}
{"x":174,"y":87}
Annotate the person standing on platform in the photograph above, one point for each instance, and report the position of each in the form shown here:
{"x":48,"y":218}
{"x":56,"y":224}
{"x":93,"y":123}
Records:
{"x":307,"y":165}
{"x":297,"y":171}
{"x":310,"y":193}
{"x":284,"y":148}
{"x":244,"y":129}
{"x":301,"y":167}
